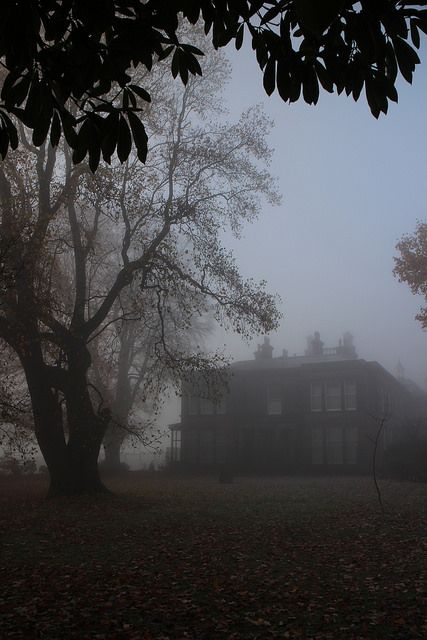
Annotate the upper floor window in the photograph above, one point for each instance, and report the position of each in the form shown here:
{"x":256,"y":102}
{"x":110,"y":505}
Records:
{"x":316,"y":396}
{"x":350,"y":400}
{"x":207,"y":407}
{"x":197,"y":405}
{"x":274,"y":400}
{"x":333,"y":396}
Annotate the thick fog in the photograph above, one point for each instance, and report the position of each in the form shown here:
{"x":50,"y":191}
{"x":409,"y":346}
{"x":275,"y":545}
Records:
{"x":351,"y":186}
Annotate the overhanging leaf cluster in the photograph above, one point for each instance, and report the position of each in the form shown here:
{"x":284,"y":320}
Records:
{"x":67,"y":62}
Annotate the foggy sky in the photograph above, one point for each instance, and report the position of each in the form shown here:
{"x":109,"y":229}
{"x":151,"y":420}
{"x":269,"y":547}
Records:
{"x":351,"y":186}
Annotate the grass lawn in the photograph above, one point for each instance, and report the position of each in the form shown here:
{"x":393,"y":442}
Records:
{"x":166,"y":558}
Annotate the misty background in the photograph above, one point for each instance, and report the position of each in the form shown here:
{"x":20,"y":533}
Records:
{"x":351,"y":187}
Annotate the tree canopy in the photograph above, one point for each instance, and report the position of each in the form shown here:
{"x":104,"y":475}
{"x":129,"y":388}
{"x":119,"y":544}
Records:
{"x":67,"y":63}
{"x":410,"y":265}
{"x":85,"y":256}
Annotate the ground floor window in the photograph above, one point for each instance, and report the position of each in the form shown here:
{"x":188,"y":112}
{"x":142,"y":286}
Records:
{"x":334,"y":445}
{"x":176,"y":445}
{"x":317,"y":445}
{"x":351,"y":444}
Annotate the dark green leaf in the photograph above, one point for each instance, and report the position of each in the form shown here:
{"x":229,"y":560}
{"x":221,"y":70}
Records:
{"x":239,"y":36}
{"x":11,"y":130}
{"x":407,"y":58}
{"x":269,"y":79}
{"x":283,"y":80}
{"x":139,"y":136}
{"x":324,"y":77}
{"x":142,"y":93}
{"x":415,"y":35}
{"x":33,"y":104}
{"x":68,"y":126}
{"x":175,"y":63}
{"x":16,"y":93}
{"x":94,"y":157}
{"x":272,"y":13}
{"x":55,"y":130}
{"x":124,"y":140}
{"x":41,"y":128}
{"x":4,"y":139}
{"x":110,"y":135}
{"x":310,"y":86}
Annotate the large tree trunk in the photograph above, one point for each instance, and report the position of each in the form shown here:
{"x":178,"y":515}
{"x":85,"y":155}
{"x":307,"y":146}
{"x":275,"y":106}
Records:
{"x":79,"y":475}
{"x":73,"y":462}
{"x":112,"y":448}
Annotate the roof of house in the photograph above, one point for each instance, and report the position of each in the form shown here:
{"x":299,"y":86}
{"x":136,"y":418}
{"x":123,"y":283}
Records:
{"x":291,"y":362}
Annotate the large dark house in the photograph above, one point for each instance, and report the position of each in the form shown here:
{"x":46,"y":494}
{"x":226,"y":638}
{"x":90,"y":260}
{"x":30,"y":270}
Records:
{"x":319,"y":412}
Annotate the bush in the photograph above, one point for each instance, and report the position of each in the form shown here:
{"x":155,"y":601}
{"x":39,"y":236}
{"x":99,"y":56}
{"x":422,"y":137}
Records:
{"x":407,"y":460}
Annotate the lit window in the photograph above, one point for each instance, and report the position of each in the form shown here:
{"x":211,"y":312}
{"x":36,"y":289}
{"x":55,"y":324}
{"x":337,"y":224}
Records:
{"x":334,"y":445}
{"x":316,"y":396}
{"x":274,"y":400}
{"x":333,"y":396}
{"x":350,"y":402}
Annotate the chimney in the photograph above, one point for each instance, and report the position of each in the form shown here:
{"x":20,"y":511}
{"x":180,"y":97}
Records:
{"x":264,"y":351}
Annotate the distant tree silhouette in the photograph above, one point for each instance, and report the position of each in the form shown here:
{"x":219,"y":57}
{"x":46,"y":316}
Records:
{"x":410,"y":265}
{"x":68,"y":64}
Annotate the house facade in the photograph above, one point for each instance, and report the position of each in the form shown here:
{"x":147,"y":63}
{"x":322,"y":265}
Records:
{"x":315,"y":413}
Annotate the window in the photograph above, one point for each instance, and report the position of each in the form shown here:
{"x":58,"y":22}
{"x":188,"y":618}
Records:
{"x":317,"y":445}
{"x":333,"y":396}
{"x":176,"y":445}
{"x":351,"y":445}
{"x":316,"y":396}
{"x":274,"y":400}
{"x":350,"y":402}
{"x":220,"y":406}
{"x":193,"y":405}
{"x":334,"y":445}
{"x":207,"y":407}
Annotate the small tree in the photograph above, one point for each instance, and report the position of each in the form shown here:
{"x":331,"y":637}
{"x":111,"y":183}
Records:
{"x":411,"y":265}
{"x":129,"y":370}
